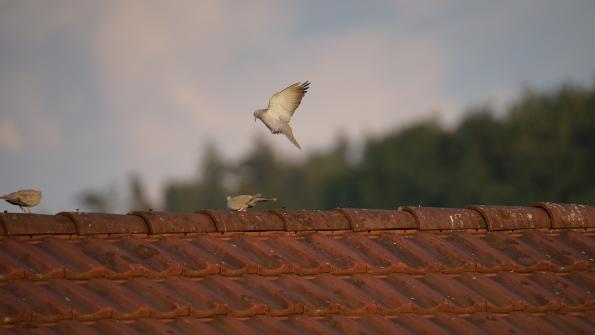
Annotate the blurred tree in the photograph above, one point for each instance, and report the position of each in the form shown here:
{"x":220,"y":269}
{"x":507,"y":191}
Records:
{"x":553,"y":138}
{"x":102,"y":201}
{"x":483,"y":172}
{"x":412,"y":166}
{"x":260,"y":171}
{"x":94,"y":201}
{"x":205,"y":191}
{"x":541,"y":149}
{"x":138,"y":197}
{"x":110,"y":200}
{"x":309,"y":180}
{"x":212,"y":193}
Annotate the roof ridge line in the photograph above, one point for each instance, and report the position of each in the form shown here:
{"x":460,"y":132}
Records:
{"x":538,"y":215}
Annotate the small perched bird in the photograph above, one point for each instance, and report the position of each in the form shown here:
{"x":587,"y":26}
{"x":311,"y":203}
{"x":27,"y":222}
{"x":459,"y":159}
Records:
{"x":241,"y":203}
{"x":24,"y":199}
{"x":282,"y":105}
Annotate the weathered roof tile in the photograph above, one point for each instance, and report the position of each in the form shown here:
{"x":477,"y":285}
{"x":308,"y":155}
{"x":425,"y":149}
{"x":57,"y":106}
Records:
{"x":226,"y":221}
{"x":35,"y":224}
{"x":513,"y":217}
{"x":489,"y":270}
{"x":569,"y":215}
{"x":429,"y":218}
{"x":102,"y":223}
{"x":167,"y":223}
{"x":312,"y":220}
{"x":362,"y":219}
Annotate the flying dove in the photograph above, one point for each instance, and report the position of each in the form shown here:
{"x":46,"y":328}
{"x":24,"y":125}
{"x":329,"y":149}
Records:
{"x":24,"y":199}
{"x":241,"y":203}
{"x":282,"y":105}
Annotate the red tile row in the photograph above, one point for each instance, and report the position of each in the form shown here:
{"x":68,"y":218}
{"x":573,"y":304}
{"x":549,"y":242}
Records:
{"x":320,"y":295}
{"x":540,"y":215}
{"x":409,"y":324}
{"x":303,"y":254}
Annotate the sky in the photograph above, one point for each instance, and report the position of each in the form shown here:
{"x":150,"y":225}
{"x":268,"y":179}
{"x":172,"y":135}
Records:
{"x":94,"y":91}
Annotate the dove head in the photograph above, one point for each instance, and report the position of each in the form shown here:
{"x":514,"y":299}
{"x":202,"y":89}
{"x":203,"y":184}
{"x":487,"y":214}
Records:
{"x":258,"y":114}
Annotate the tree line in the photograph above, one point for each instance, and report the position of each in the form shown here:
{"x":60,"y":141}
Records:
{"x":540,"y":148}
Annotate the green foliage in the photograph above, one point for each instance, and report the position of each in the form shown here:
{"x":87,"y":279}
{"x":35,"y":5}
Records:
{"x":206,"y":191}
{"x":541,"y":149}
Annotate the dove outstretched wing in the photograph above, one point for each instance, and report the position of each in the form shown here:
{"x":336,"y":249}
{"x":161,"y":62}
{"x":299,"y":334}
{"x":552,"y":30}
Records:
{"x":284,"y":103}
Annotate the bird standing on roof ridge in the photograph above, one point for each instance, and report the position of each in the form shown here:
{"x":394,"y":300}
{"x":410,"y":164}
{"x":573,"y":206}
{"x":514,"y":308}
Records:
{"x":23,"y":198}
{"x":242,"y":202}
{"x":282,"y":105}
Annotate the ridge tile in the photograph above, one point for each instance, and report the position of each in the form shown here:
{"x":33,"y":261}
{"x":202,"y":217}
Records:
{"x":228,"y":221}
{"x":170,"y":223}
{"x":36,"y":224}
{"x":431,"y":218}
{"x":312,"y":220}
{"x":513,"y":217}
{"x":103,"y":223}
{"x":362,"y":219}
{"x":569,"y":215}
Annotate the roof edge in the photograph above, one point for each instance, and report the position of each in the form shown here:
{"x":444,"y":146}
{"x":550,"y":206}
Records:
{"x":539,"y":215}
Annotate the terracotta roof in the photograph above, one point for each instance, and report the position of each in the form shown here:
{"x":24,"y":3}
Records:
{"x":478,"y":270}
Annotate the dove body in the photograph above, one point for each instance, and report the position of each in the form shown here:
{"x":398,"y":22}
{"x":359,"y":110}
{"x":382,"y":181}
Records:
{"x":241,"y":203}
{"x":274,"y":124}
{"x":24,"y":198}
{"x":282,"y":105}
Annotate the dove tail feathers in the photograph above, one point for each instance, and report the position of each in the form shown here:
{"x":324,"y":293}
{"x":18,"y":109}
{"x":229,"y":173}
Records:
{"x":289,"y":134}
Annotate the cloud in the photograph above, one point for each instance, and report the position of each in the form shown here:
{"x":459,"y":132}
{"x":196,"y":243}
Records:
{"x":34,"y":20}
{"x":10,"y":139}
{"x":197,"y":72}
{"x":363,"y":81}
{"x":167,"y":75}
{"x":373,"y":80}
{"x":27,"y":125}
